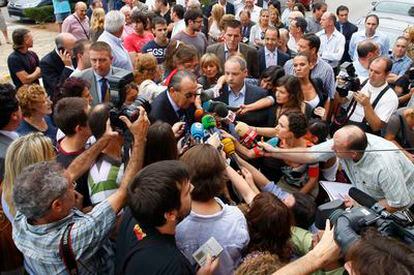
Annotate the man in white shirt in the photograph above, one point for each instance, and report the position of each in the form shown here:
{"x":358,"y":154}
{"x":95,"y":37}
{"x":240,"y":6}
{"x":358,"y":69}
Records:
{"x":177,"y":16}
{"x":254,"y":10}
{"x":285,"y":14}
{"x":332,"y":41}
{"x":368,"y":117}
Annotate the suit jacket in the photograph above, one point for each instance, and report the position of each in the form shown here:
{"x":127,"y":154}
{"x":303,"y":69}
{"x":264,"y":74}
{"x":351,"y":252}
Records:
{"x":253,"y":94}
{"x":229,"y":8}
{"x":347,"y":30}
{"x":5,"y":141}
{"x":246,"y":32}
{"x":161,"y":109}
{"x":53,"y":71}
{"x":249,"y":53}
{"x":89,"y":76}
{"x":281,"y":59}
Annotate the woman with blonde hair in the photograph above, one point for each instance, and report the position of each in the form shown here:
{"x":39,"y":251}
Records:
{"x":210,"y":70}
{"x":24,"y":151}
{"x":274,"y":18}
{"x":214,"y":31}
{"x":97,"y":24}
{"x":36,"y":108}
{"x":409,"y":34}
{"x":258,"y":31}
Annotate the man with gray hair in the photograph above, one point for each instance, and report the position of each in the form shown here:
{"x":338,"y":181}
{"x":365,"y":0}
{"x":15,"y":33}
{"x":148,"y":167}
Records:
{"x":57,"y":65}
{"x":54,"y":236}
{"x":77,"y":23}
{"x":237,"y":93}
{"x":113,"y":28}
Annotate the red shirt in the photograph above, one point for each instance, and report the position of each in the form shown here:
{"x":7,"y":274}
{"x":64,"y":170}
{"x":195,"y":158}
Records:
{"x":134,"y":42}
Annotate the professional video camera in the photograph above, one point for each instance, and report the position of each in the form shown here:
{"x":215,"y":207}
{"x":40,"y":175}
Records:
{"x":348,"y":80}
{"x":410,"y":74}
{"x":117,"y":83}
{"x":349,"y":223}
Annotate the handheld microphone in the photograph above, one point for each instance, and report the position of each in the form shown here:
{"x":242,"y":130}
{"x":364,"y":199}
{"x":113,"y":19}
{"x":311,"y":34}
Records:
{"x":197,"y":132}
{"x":209,"y":124}
{"x":230,"y":150}
{"x":208,"y":106}
{"x":221,"y":110}
{"x":274,"y":141}
{"x":361,"y":197}
{"x":246,"y":134}
{"x":198,"y":114}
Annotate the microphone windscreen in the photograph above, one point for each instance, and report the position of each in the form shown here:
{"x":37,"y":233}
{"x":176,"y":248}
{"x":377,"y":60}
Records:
{"x":208,"y":122}
{"x":242,"y":128}
{"x":228,"y":146}
{"x":197,"y":130}
{"x":274,"y":141}
{"x":221,"y":110}
{"x":198,"y":114}
{"x":361,"y":197}
{"x":206,"y":95}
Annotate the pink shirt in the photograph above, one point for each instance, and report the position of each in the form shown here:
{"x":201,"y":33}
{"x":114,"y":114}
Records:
{"x":128,"y":29}
{"x":135,"y":42}
{"x":71,"y":25}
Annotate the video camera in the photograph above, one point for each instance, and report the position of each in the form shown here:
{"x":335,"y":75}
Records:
{"x":117,"y":90}
{"x":349,"y":223}
{"x":348,"y":80}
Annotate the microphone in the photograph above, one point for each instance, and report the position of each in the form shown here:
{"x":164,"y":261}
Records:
{"x":230,"y":150}
{"x":208,"y":106}
{"x":209,"y":123}
{"x":246,"y":134}
{"x":274,"y":141}
{"x":198,"y":114}
{"x":197,"y":132}
{"x":361,"y":197}
{"x":221,"y":110}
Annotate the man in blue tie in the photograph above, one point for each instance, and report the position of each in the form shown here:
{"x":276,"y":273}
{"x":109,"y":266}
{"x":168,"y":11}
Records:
{"x":346,"y":28}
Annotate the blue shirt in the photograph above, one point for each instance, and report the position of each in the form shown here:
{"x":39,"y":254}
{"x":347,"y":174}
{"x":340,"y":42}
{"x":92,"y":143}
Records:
{"x":235,"y":100}
{"x":382,"y":40}
{"x":228,"y":227}
{"x":40,"y":243}
{"x":120,"y":55}
{"x":61,"y":6}
{"x":156,"y":50}
{"x":400,"y":65}
{"x":26,"y":128}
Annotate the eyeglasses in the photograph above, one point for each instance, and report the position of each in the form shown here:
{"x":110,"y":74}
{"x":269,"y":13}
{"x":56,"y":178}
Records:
{"x":191,"y":95}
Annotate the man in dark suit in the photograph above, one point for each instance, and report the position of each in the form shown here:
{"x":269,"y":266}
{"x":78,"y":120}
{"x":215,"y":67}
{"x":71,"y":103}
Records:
{"x":57,"y":65}
{"x":100,"y":54}
{"x":237,"y":92}
{"x":10,"y":117}
{"x":247,"y":25}
{"x":346,"y":28}
{"x":228,"y":7}
{"x":232,"y":45}
{"x":177,"y":103}
{"x":269,"y":55}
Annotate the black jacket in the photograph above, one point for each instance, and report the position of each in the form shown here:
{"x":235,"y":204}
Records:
{"x":53,"y":71}
{"x":281,"y":59}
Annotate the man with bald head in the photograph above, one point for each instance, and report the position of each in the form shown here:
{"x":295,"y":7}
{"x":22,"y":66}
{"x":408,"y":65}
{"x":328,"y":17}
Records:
{"x":374,"y":165}
{"x":77,"y":23}
{"x":332,"y":41}
{"x":57,"y":64}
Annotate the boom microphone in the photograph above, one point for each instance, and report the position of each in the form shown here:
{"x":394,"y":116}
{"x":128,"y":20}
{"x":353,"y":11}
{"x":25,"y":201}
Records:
{"x":361,"y":197}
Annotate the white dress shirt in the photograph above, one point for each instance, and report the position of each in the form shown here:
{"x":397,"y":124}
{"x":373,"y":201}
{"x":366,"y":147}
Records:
{"x":270,"y":57}
{"x":332,"y":48}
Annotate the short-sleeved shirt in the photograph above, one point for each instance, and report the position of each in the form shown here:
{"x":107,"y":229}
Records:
{"x":18,"y":62}
{"x":73,"y":25}
{"x":381,"y":174}
{"x":157,"y":50}
{"x":402,"y":132}
{"x":61,"y":6}
{"x":89,"y":234}
{"x":134,"y":42}
{"x":144,"y":250}
{"x":400,"y":65}
{"x":199,"y":41}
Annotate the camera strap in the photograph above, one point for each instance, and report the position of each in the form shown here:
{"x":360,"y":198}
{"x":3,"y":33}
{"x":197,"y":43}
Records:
{"x":377,"y":99}
{"x":80,"y":23}
{"x":353,"y":103}
{"x":66,"y":251}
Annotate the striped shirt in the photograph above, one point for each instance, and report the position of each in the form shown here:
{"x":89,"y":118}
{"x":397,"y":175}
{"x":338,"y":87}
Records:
{"x":104,"y":178}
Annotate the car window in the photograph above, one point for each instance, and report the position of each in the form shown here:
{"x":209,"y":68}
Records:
{"x":395,"y":8}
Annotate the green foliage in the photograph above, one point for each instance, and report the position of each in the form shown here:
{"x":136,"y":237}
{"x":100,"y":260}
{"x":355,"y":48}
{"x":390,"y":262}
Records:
{"x":41,"y":14}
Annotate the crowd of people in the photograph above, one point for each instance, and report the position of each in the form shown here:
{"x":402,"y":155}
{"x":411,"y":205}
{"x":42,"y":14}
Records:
{"x":154,"y":129}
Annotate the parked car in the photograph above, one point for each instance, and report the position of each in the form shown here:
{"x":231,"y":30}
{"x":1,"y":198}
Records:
{"x":16,"y":7}
{"x":394,"y":17}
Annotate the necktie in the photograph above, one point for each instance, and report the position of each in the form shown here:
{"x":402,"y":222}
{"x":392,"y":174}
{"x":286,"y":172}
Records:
{"x":181,"y":114}
{"x":272,"y":61}
{"x":104,"y":88}
{"x":244,"y":31}
{"x":341,"y":28}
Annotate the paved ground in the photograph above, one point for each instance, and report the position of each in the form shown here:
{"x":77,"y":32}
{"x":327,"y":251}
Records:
{"x":43,"y":40}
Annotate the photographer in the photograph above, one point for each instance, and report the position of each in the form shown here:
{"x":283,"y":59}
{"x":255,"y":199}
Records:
{"x":371,"y":107}
{"x":404,"y":87}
